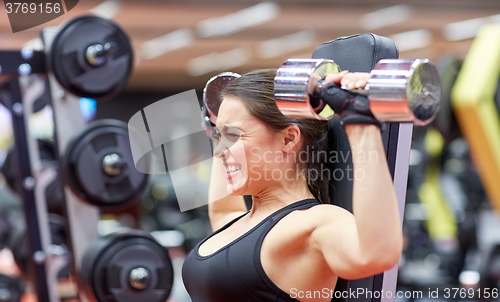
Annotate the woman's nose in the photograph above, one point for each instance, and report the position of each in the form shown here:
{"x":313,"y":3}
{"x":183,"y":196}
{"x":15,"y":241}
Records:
{"x":221,"y":149}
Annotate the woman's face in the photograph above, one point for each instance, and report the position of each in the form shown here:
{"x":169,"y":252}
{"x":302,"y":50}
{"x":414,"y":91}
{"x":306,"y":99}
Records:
{"x":248,"y":149}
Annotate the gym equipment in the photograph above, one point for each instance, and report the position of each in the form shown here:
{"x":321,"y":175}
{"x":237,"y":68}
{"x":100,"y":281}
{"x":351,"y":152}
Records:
{"x":20,"y":249}
{"x":489,"y":250}
{"x":473,"y":100}
{"x":11,"y":289}
{"x":10,"y":168}
{"x":491,"y":274}
{"x":5,"y":231}
{"x":212,"y":98}
{"x":448,"y":68}
{"x":98,"y":73}
{"x":360,"y":53}
{"x":398,"y":90}
{"x":87,"y":57}
{"x":32,"y":177}
{"x":458,"y":164}
{"x":92,"y":57}
{"x":53,"y":192}
{"x":441,"y":225}
{"x":212,"y":90}
{"x":127,"y":266}
{"x":100,"y":167}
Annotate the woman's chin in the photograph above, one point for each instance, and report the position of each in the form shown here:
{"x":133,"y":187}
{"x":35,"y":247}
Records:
{"x":236,"y":188}
{"x":233,"y":193}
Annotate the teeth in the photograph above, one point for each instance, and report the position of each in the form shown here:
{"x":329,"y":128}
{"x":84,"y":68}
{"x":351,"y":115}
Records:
{"x":233,"y":168}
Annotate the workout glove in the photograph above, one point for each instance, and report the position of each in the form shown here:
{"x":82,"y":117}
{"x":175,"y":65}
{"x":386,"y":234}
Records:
{"x":353,"y":108}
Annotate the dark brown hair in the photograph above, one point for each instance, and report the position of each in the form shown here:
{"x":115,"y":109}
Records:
{"x":256,"y":90}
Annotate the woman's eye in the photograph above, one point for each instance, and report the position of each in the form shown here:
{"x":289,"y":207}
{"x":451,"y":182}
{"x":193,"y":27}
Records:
{"x":233,"y":137}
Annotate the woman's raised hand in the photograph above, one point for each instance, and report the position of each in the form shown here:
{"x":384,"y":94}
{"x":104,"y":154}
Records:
{"x":349,"y":80}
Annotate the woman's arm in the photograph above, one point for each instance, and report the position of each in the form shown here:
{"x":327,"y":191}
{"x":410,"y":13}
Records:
{"x":222,"y":207}
{"x":369,"y":242}
{"x":375,"y":205}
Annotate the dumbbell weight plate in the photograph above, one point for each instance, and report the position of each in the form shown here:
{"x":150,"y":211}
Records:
{"x":404,"y":91}
{"x":5,"y":231}
{"x":92,"y":57}
{"x":211,"y":93}
{"x":127,"y":266}
{"x":53,"y":192}
{"x":99,"y":165}
{"x":212,"y":99}
{"x":20,"y":250}
{"x":295,"y":80}
{"x":11,"y":289}
{"x":10,"y":167}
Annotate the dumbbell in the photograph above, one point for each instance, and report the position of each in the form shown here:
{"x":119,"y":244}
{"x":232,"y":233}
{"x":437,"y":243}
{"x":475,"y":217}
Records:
{"x":398,"y":90}
{"x":128,"y":265}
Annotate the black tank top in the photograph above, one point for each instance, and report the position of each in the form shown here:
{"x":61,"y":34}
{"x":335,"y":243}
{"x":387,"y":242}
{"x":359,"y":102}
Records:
{"x":234,"y":273}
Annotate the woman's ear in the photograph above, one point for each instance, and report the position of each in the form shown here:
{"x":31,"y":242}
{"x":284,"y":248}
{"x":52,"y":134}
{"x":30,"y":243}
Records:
{"x":291,"y":138}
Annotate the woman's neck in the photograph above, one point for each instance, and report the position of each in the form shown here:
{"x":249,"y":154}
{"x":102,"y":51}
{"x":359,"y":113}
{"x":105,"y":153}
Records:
{"x":277,"y":197}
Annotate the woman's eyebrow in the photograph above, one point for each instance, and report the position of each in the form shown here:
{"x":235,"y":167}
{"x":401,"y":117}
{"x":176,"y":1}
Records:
{"x":226,"y":127}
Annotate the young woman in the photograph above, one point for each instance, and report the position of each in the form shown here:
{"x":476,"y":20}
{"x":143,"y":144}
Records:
{"x":292,"y":243}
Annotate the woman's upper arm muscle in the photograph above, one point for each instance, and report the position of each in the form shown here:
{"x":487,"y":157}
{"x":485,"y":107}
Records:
{"x":336,"y":237}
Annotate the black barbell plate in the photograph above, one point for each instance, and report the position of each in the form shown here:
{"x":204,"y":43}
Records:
{"x":11,"y":289}
{"x":72,"y":69}
{"x":83,"y":165}
{"x":20,"y":250}
{"x":108,"y":261}
{"x":5,"y":230}
{"x":10,"y":171}
{"x":54,"y":194}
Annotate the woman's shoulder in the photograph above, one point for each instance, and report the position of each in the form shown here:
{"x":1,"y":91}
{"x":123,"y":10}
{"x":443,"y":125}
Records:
{"x":321,"y":213}
{"x":301,"y":223}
